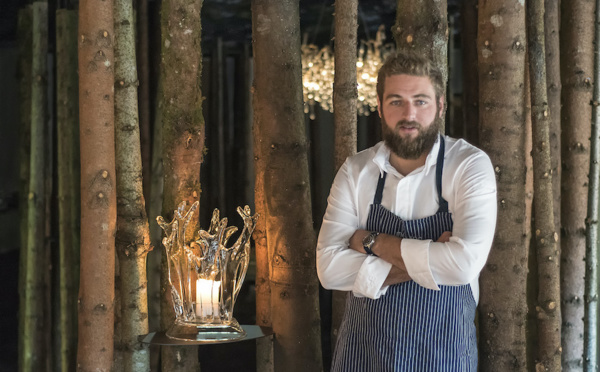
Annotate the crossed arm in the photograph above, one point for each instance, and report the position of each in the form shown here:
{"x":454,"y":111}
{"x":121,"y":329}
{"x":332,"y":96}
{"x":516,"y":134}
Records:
{"x":389,"y":248}
{"x":455,"y":259}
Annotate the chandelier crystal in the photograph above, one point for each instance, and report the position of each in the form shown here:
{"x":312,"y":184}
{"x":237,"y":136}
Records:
{"x":318,"y":69}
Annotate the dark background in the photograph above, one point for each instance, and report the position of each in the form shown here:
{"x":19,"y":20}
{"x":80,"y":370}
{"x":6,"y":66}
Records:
{"x":228,"y":21}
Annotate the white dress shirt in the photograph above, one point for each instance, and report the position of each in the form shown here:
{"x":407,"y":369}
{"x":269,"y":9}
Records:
{"x":469,"y":186}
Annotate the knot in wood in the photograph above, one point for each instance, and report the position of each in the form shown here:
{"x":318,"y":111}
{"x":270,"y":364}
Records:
{"x":409,"y":39}
{"x":100,"y":307}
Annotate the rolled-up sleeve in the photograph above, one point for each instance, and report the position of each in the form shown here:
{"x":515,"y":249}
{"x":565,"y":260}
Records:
{"x":338,"y":266}
{"x":473,"y":209}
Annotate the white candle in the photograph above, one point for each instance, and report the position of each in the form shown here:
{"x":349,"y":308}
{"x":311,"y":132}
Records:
{"x":207,"y":297}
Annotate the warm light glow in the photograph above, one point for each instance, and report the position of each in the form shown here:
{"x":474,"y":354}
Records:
{"x":318,"y":71}
{"x":207,"y":297}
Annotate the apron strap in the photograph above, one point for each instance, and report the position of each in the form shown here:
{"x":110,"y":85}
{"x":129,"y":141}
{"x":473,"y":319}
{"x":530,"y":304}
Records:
{"x":438,"y":180}
{"x":438,"y":177}
{"x":379,"y":192}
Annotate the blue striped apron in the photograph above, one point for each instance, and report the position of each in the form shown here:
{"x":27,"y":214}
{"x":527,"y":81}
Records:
{"x":410,"y":328}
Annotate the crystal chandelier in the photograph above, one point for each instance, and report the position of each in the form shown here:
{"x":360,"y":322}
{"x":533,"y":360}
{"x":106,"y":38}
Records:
{"x":318,"y":71}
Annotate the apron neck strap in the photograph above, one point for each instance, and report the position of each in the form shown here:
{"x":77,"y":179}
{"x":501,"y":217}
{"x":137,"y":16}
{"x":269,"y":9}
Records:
{"x":438,"y":180}
{"x":438,"y":176}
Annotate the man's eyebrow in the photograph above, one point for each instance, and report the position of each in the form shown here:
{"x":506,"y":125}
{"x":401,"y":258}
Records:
{"x":419,"y":95}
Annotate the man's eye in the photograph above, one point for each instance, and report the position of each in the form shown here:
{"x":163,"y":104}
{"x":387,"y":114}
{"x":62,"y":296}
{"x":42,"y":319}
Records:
{"x":395,"y":103}
{"x":420,"y":102}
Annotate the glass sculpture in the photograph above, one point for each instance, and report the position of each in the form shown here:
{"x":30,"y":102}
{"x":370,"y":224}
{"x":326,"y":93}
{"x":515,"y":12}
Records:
{"x":206,"y":275}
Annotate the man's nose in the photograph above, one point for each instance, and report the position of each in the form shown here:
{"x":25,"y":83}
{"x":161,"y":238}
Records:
{"x":409,"y":112}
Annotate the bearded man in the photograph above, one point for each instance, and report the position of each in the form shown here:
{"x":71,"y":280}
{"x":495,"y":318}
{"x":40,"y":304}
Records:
{"x":408,"y":228}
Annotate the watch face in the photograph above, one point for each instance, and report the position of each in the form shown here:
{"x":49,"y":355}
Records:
{"x":369,"y":240}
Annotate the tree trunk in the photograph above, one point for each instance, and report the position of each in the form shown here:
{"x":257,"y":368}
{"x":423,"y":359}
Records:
{"x":25,"y":20}
{"x":422,"y":26}
{"x":264,"y":358}
{"x":590,"y":335}
{"x":546,"y":236}
{"x":344,"y":106}
{"x":291,"y":238}
{"x":577,"y":60}
{"x":98,"y":196}
{"x":33,"y":343}
{"x":143,"y":91}
{"x":133,"y":235}
{"x":263,"y":264}
{"x":470,"y":79}
{"x":552,"y":45}
{"x":183,"y":140}
{"x":68,"y":183}
{"x":503,"y":306}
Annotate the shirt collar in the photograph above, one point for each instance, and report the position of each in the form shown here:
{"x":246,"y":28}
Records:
{"x":382,"y":158}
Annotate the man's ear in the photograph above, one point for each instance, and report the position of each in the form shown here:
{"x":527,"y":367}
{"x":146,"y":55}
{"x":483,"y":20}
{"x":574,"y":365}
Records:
{"x":379,"y":106}
{"x":441,"y":106}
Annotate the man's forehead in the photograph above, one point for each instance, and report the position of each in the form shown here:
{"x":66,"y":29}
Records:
{"x":415,"y":84}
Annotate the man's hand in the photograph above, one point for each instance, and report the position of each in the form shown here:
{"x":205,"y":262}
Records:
{"x":445,"y":237}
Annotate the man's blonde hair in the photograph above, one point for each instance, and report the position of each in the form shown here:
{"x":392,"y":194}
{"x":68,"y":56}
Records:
{"x":410,"y":63}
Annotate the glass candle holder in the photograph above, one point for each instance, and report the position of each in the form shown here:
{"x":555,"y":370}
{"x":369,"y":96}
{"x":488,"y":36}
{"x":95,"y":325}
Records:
{"x":205,"y":275}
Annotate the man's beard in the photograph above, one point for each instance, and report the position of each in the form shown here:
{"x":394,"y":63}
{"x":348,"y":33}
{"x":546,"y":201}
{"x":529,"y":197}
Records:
{"x":410,"y":148}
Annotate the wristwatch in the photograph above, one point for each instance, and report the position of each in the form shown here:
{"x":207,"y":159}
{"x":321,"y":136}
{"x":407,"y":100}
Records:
{"x":368,"y":242}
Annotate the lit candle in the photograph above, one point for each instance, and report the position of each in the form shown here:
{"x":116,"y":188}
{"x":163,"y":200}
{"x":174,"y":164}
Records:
{"x":207,"y":297}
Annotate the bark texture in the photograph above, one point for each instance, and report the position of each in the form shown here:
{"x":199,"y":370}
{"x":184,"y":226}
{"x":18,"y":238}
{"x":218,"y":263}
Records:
{"x":422,"y":26}
{"x":67,"y":112}
{"x":33,"y":343}
{"x":143,"y":66}
{"x":278,"y":112}
{"x":552,"y":54}
{"x":577,"y":64}
{"x":546,"y":237}
{"x":25,"y":19}
{"x":98,"y":193}
{"x":263,"y":266}
{"x":264,"y":355}
{"x":345,"y":94}
{"x":590,"y":334}
{"x":183,"y":140}
{"x":503,"y":306}
{"x":132,"y":240}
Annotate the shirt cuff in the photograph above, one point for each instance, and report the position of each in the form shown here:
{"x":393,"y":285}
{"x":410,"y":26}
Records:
{"x":415,"y":254}
{"x":370,"y":278}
